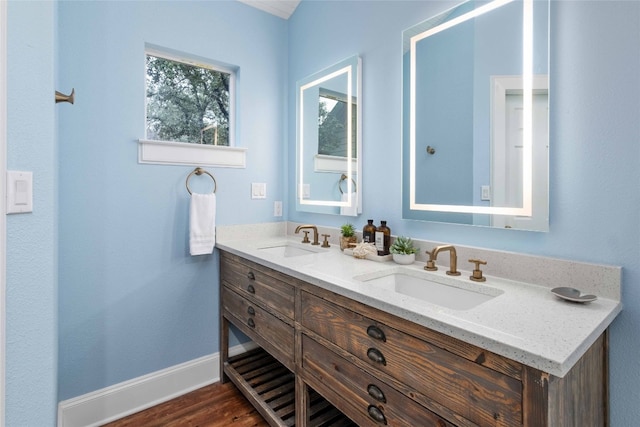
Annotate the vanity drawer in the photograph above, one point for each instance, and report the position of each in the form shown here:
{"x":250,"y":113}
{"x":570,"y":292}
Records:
{"x":365,"y":399}
{"x":259,"y":284}
{"x":480,"y":395}
{"x":266,"y":330}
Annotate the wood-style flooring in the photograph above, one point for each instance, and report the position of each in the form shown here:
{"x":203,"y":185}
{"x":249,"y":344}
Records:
{"x":216,"y":405}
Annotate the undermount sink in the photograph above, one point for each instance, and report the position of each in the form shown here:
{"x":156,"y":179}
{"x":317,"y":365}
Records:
{"x":288,"y":250}
{"x":442,"y":291}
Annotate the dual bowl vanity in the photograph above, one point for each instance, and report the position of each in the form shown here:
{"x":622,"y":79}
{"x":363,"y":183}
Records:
{"x":345,"y":340}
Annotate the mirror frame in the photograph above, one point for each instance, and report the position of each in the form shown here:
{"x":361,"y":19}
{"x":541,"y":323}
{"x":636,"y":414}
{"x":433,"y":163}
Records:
{"x":527,"y":75}
{"x":352,"y":67}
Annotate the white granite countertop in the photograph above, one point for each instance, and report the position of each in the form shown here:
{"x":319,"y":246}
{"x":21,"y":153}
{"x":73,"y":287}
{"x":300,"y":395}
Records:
{"x":525,"y":322}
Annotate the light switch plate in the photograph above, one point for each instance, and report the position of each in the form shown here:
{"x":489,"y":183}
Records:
{"x":258,"y":190}
{"x":304,"y":190}
{"x":486,"y":192}
{"x":19,"y":192}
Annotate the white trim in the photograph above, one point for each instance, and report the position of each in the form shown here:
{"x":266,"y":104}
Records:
{"x":186,"y":58}
{"x":181,"y":153}
{"x":118,"y":401}
{"x":3,"y":173}
{"x":280,"y":8}
{"x":501,"y":86}
{"x":336,"y":164}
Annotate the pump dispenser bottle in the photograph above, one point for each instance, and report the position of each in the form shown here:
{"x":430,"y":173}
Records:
{"x":369,"y":232}
{"x":383,"y":238}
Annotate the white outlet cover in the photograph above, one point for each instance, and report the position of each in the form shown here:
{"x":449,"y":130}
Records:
{"x":277,"y":208}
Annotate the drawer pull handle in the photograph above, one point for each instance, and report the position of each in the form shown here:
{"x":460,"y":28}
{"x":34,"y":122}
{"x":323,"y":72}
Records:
{"x":251,"y":276}
{"x":376,"y":393}
{"x":251,"y":311}
{"x":376,"y":356}
{"x":251,"y":289}
{"x":376,"y":414}
{"x":251,"y":323}
{"x":376,"y":333}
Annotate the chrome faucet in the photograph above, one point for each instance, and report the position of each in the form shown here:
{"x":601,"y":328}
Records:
{"x":453,"y":259}
{"x":315,"y":233}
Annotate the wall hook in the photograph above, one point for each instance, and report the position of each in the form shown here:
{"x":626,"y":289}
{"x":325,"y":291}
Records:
{"x":431,"y":150}
{"x":61,"y":97}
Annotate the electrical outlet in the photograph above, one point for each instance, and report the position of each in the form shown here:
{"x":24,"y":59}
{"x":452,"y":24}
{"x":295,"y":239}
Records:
{"x":277,"y":208}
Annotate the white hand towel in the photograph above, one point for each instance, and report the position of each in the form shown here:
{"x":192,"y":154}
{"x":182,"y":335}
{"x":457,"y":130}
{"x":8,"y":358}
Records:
{"x":349,"y":210}
{"x":202,"y":223}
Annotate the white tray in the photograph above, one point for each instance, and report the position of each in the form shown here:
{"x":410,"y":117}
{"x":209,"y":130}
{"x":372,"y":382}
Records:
{"x":377,"y":258}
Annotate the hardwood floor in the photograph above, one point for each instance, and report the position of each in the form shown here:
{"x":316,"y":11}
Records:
{"x":216,"y":405}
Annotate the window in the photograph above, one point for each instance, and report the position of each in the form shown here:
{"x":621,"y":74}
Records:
{"x":189,"y":112}
{"x":332,"y":124}
{"x":188,"y":102}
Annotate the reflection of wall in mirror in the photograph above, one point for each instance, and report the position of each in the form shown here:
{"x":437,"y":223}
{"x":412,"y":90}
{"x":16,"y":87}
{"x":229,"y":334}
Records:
{"x":335,"y":187}
{"x":444,"y":116}
{"x":322,"y":186}
{"x":499,"y":44}
{"x":486,"y":46}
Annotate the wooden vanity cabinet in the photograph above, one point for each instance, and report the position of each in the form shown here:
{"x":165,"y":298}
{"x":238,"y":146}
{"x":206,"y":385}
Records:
{"x":260,"y":304}
{"x":434,"y":376}
{"x":379,"y":369}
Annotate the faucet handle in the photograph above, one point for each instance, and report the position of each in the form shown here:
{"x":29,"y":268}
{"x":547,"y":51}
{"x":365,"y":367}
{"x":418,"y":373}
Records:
{"x":431,"y":263}
{"x":477,"y":273}
{"x":325,"y":244}
{"x":306,"y":237}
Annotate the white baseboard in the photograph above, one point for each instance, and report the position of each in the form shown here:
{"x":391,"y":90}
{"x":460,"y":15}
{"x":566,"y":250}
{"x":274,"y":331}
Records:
{"x":117,"y":401}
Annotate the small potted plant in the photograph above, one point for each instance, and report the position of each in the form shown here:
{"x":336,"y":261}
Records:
{"x":348,"y":236}
{"x":403,"y":250}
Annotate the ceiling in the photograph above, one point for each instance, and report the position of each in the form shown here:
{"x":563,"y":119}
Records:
{"x":281,"y":8}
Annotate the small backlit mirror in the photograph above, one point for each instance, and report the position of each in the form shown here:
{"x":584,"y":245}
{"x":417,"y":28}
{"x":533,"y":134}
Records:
{"x":328,"y":140}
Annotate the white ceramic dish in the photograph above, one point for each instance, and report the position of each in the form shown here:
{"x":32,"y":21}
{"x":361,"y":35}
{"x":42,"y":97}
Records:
{"x":573,"y":295}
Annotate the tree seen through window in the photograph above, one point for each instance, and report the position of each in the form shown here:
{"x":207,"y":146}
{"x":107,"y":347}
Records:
{"x":187,"y":103}
{"x":332,"y":124}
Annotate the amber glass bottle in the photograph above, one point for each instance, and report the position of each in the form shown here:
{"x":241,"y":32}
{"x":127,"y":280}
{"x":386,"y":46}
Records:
{"x":383,"y":238}
{"x":369,"y":232}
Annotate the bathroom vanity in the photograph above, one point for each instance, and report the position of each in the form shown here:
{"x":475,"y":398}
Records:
{"x":334,"y":351}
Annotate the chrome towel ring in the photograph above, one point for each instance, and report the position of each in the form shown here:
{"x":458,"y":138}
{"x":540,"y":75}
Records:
{"x":200,"y":171}
{"x":343,"y":178}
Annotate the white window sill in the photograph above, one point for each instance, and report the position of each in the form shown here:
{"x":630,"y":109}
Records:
{"x":326,"y":163}
{"x":181,"y":153}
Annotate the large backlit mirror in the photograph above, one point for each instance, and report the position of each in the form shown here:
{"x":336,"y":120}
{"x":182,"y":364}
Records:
{"x":328,"y":140}
{"x":475,"y":116}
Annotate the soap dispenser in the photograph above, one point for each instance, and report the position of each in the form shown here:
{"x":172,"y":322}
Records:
{"x":383,"y":238}
{"x":369,"y":232}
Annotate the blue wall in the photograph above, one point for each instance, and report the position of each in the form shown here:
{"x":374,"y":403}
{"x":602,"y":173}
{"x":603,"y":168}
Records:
{"x":595,"y":143}
{"x":132,"y":300}
{"x":31,"y":287}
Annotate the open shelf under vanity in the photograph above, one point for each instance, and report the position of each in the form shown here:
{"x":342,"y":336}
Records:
{"x":270,"y":386}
